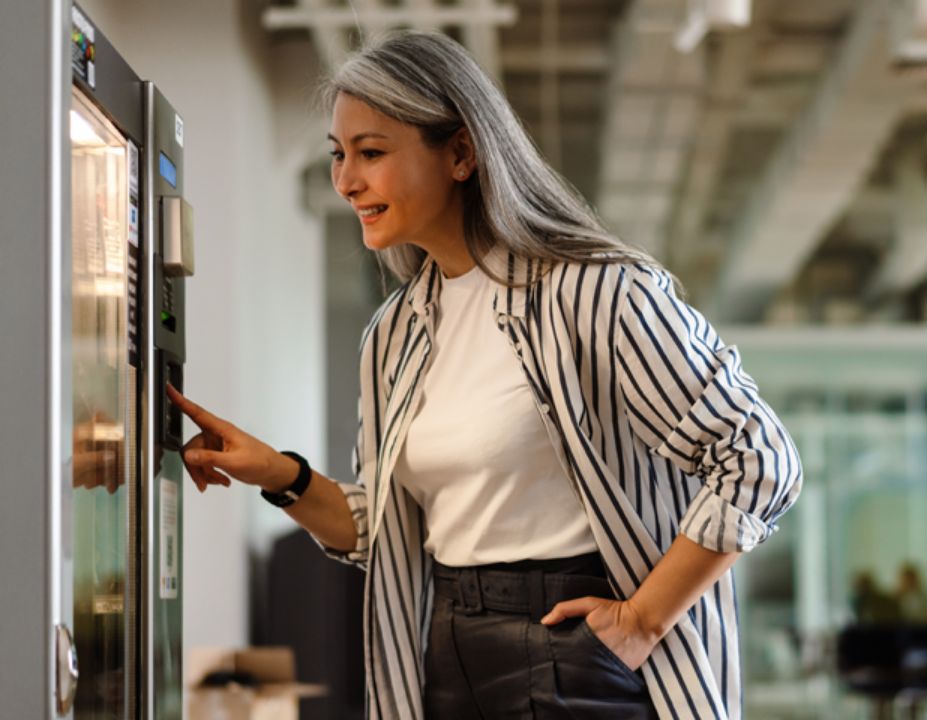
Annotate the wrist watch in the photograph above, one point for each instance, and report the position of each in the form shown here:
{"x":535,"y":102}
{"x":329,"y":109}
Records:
{"x":291,"y":494}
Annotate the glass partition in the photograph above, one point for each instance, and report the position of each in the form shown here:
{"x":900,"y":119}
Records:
{"x":853,"y":551}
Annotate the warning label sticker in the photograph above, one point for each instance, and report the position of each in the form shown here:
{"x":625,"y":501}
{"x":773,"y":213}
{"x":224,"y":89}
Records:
{"x":83,"y":48}
{"x":168,"y":584}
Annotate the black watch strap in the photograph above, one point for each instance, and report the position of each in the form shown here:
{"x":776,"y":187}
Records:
{"x":291,"y":494}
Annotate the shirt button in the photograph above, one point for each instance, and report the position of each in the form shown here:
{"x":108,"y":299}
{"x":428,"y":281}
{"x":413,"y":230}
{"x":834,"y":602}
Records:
{"x":545,"y":408}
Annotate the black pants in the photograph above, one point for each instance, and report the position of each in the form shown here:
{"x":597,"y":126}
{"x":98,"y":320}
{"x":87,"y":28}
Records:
{"x":489,"y":657}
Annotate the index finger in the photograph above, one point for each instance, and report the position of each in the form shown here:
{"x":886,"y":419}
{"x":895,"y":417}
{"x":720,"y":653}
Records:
{"x":578,"y":607}
{"x":205,"y":419}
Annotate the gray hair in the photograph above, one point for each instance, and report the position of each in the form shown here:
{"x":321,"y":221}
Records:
{"x":514,"y":200}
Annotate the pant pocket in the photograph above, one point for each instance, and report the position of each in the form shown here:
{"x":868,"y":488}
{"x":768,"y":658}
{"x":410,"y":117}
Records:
{"x":585,"y":669}
{"x":606,"y":652}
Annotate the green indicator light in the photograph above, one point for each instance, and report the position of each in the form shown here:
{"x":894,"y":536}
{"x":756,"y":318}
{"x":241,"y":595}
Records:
{"x":165,"y":316}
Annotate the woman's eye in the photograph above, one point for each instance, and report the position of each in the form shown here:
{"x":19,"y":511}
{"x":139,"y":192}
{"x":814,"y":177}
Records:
{"x":370,"y":154}
{"x":336,"y":154}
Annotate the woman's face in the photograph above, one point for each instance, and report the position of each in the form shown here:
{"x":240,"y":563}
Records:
{"x":402,"y":190}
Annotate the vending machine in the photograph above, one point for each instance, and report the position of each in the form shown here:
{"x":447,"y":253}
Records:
{"x":131,"y":252}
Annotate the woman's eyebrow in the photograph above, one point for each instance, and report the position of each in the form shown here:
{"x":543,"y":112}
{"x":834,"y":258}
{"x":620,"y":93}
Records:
{"x":360,"y":136}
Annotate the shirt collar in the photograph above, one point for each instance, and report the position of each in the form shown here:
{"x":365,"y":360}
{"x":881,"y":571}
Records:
{"x":425,"y":286}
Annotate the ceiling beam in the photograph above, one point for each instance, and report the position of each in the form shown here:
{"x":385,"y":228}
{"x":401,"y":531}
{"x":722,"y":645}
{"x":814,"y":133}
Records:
{"x":478,"y":20}
{"x":817,"y":170}
{"x":651,"y":113}
{"x":370,"y":9}
{"x":304,"y":16}
{"x":565,"y":59}
{"x":906,"y":263}
{"x":720,"y":109}
{"x":329,"y":40}
{"x":482,"y":39}
{"x":550,"y":139}
{"x":422,"y":10}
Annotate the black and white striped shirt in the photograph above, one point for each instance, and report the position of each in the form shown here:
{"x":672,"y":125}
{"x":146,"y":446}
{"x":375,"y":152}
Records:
{"x":662,"y":432}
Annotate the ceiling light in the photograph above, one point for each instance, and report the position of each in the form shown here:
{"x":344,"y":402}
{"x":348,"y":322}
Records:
{"x":705,"y":15}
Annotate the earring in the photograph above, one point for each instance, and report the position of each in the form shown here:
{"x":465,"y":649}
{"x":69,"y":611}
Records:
{"x":461,"y":173}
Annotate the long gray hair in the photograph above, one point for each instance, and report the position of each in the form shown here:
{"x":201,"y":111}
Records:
{"x":514,"y":200}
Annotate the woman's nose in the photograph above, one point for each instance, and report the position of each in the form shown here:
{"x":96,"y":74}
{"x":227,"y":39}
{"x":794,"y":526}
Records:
{"x":346,"y":180}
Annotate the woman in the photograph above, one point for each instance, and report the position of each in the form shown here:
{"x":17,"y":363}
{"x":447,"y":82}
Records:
{"x":558,"y":461}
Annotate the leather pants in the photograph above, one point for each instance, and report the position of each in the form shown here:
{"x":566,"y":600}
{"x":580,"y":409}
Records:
{"x":489,"y":657}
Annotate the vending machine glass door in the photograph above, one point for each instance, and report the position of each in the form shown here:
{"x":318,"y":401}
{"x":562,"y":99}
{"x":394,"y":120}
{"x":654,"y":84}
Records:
{"x":104,"y":416}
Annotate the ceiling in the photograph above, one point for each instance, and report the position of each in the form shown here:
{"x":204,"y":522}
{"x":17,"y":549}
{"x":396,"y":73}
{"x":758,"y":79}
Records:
{"x":777,"y":167}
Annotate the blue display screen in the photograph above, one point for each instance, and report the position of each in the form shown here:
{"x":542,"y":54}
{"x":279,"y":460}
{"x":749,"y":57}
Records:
{"x":168,"y":171}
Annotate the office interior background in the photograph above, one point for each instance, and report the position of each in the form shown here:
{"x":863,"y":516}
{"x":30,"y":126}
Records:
{"x":776,"y":162}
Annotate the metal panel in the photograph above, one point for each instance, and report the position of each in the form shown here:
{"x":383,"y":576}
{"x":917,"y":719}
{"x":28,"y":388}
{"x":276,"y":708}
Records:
{"x":35,"y":433}
{"x":162,"y":470}
{"x":117,"y":89}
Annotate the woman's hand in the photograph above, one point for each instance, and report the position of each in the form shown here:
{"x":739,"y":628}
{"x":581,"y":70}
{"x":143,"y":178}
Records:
{"x":616,"y":623}
{"x":222,"y":446}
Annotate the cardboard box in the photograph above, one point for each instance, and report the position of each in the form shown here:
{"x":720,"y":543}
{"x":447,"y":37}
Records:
{"x":274,"y":697}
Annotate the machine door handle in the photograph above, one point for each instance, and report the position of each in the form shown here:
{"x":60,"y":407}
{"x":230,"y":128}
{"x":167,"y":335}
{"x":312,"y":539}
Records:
{"x":66,"y":675}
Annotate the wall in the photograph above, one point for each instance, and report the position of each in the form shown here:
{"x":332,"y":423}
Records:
{"x":255,"y":336}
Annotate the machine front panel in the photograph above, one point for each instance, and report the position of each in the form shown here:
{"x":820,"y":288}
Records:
{"x":128,"y":341}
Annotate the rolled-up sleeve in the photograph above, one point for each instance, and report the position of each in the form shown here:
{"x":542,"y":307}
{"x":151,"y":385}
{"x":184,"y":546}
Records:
{"x":356,"y":496}
{"x":690,"y":401}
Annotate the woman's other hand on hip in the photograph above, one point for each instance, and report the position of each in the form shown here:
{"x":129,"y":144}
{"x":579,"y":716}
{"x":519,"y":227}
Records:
{"x":616,"y":623}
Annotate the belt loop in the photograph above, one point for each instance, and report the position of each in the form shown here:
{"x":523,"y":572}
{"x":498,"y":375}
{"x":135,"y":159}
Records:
{"x":537,"y":604}
{"x":471,"y":599}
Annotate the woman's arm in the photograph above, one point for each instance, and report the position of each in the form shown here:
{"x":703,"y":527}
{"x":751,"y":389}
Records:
{"x":677,"y":582}
{"x":688,"y":399}
{"x":323,"y":509}
{"x":631,"y":629}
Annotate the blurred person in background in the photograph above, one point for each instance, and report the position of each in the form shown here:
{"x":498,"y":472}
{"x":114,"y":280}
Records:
{"x":910,"y":595}
{"x":558,"y":460}
{"x":871,"y":604}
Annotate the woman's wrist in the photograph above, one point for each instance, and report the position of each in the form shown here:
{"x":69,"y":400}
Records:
{"x":651,"y":626}
{"x":282,"y":473}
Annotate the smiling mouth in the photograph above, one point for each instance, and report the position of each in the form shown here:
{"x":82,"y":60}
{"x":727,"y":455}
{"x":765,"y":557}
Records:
{"x":371,"y":212}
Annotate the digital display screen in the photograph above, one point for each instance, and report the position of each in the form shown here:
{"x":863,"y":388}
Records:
{"x":168,"y":171}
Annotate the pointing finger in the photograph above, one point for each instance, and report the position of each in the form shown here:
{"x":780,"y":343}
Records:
{"x":205,"y":419}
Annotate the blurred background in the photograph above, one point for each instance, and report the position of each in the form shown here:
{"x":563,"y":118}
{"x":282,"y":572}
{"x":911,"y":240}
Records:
{"x":772,"y":153}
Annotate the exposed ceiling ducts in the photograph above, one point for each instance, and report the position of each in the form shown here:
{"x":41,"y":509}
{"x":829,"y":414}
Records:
{"x":816,"y":171}
{"x":770,"y":154}
{"x":651,"y":116}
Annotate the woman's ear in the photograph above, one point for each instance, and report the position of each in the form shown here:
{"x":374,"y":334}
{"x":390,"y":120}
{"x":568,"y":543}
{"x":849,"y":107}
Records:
{"x":463,"y":154}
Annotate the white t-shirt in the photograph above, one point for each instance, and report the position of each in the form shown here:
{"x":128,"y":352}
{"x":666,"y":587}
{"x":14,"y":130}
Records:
{"x":477,"y":456}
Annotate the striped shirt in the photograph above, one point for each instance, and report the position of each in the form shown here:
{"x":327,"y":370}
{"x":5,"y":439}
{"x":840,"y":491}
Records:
{"x":658,"y":427}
